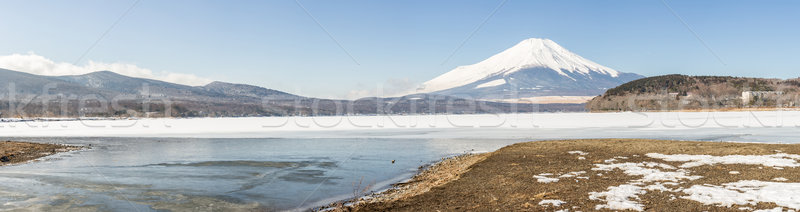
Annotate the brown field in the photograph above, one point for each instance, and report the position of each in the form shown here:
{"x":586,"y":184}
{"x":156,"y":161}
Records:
{"x":504,"y":180}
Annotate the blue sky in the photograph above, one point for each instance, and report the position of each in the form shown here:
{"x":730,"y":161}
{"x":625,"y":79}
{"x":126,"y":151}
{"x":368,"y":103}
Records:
{"x":360,"y":45}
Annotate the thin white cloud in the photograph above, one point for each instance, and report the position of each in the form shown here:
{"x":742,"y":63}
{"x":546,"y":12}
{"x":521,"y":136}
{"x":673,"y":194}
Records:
{"x":36,"y":64}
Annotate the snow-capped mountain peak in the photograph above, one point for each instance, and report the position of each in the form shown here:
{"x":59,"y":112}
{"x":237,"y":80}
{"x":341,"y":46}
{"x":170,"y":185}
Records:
{"x":530,"y":53}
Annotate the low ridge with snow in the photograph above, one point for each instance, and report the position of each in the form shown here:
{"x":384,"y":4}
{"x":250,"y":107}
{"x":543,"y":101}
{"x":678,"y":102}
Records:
{"x":533,"y":67}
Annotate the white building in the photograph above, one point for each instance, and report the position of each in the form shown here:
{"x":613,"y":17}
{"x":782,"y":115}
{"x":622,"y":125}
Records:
{"x":748,"y":96}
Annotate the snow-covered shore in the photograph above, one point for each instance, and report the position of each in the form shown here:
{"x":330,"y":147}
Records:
{"x":509,"y":125}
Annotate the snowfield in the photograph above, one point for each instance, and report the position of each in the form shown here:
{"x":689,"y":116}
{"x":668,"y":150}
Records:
{"x":764,"y":126}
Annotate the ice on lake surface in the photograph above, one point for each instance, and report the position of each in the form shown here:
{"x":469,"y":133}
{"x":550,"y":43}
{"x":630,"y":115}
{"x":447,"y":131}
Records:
{"x":299,"y":162}
{"x":276,"y":173}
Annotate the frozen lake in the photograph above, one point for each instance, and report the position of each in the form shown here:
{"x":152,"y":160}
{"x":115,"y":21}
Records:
{"x":299,"y":162}
{"x":140,"y":174}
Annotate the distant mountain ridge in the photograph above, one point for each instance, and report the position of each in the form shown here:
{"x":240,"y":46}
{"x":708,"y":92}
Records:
{"x":247,"y":90}
{"x":29,"y":95}
{"x":534,"y":67}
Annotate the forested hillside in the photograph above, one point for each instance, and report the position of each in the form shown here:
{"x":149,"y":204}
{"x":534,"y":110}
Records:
{"x":681,"y":92}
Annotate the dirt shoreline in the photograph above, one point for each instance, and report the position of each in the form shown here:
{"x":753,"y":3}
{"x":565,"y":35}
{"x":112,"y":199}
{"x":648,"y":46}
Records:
{"x":436,"y":174}
{"x":569,"y":175}
{"x":16,"y":152}
{"x":753,"y":109}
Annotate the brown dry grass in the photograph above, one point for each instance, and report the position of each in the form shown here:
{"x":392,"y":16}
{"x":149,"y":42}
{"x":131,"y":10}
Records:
{"x":503,"y":180}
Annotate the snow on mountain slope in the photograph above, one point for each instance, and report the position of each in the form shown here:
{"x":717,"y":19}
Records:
{"x":492,"y":83}
{"x":533,"y":52}
{"x":533,"y":64}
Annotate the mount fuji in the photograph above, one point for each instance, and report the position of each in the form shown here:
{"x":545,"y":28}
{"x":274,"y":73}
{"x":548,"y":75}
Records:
{"x":534,"y":68}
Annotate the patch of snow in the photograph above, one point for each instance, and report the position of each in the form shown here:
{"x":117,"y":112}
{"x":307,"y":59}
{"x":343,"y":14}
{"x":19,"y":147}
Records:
{"x":581,"y":158}
{"x":553,"y":202}
{"x":733,"y":172}
{"x":746,"y":192}
{"x":572,"y":174}
{"x":647,"y":171}
{"x":660,"y":186}
{"x":781,"y":179}
{"x":542,"y":178}
{"x":625,"y":196}
{"x":777,"y":209}
{"x":657,"y":187}
{"x":615,"y":159}
{"x":576,"y":152}
{"x":492,"y":83}
{"x":622,"y":197}
{"x":775,"y":160}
